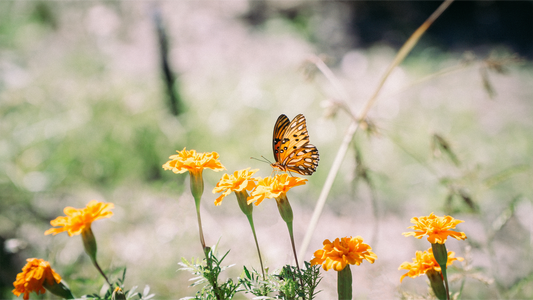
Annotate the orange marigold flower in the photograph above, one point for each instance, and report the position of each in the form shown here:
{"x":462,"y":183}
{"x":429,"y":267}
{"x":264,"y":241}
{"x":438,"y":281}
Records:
{"x":347,"y":250}
{"x":437,"y":228}
{"x":423,"y":262}
{"x":79,"y":220}
{"x":193,"y":162}
{"x":240,"y":181}
{"x":274,"y":187}
{"x":33,"y":276}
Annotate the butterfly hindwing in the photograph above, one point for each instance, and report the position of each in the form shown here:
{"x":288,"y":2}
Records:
{"x":292,"y":150}
{"x":303,"y":161}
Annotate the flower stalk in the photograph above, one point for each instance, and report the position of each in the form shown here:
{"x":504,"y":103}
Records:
{"x":89,"y":243}
{"x":441,"y":256}
{"x":344,"y":283}
{"x":276,"y":188}
{"x":197,"y":189}
{"x":248,"y":209}
{"x":240,"y":182}
{"x":285,"y":211}
{"x":194,"y":163}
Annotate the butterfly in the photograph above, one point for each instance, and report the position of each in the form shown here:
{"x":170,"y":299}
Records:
{"x":291,"y":147}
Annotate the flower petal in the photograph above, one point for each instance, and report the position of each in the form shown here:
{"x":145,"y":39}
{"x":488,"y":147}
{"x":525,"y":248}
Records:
{"x":78,"y":220}
{"x":341,"y":252}
{"x":31,"y":279}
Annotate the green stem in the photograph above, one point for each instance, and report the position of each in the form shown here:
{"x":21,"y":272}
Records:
{"x":251,"y":221}
{"x":344,"y":283}
{"x":445,"y":277}
{"x":289,"y":226}
{"x":285,"y":211}
{"x":202,"y":240}
{"x":212,"y":280}
{"x":197,"y":189}
{"x":89,"y":243}
{"x":248,"y":209}
{"x":441,"y":256}
{"x":101,"y":272}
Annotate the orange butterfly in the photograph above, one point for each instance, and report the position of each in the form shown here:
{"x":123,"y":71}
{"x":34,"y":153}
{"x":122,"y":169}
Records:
{"x":292,"y":150}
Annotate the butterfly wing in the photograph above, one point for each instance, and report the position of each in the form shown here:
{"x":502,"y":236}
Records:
{"x":282,"y":123}
{"x":303,"y":161}
{"x":292,"y":149}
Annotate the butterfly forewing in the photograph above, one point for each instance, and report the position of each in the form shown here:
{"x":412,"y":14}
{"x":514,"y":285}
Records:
{"x":292,"y":150}
{"x":279,"y":130}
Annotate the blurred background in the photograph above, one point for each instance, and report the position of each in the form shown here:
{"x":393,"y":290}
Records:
{"x":94,"y":97}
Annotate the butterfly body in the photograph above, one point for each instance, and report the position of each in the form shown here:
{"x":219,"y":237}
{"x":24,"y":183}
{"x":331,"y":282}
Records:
{"x":292,"y":150}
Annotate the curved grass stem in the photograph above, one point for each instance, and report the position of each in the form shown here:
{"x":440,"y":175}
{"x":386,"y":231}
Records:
{"x":354,"y":125}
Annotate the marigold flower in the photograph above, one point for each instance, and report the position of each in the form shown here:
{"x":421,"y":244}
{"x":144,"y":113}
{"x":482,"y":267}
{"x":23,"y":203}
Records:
{"x":437,"y":228}
{"x":424,"y":262}
{"x":341,"y":252}
{"x":193,"y":162}
{"x":274,"y":187}
{"x":277,"y":187}
{"x":34,"y":274}
{"x":240,"y":181}
{"x":79,"y":220}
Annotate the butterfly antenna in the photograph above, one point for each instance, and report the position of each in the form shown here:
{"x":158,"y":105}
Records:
{"x":266,"y":159}
{"x":261,"y":160}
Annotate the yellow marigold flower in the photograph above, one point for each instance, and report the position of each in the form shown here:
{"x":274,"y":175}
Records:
{"x":274,"y":187}
{"x":79,"y":220}
{"x":344,"y":251}
{"x":424,"y":262}
{"x":437,"y":228}
{"x":33,"y":276}
{"x":240,"y":181}
{"x":193,"y":162}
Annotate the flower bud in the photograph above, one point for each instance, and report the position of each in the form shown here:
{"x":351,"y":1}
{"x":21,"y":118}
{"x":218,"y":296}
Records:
{"x":89,"y":243}
{"x":441,"y":254}
{"x":59,"y":289}
{"x":284,"y":208}
{"x":197,"y":186}
{"x":118,"y":294}
{"x":437,"y":284}
{"x":242,"y":197}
